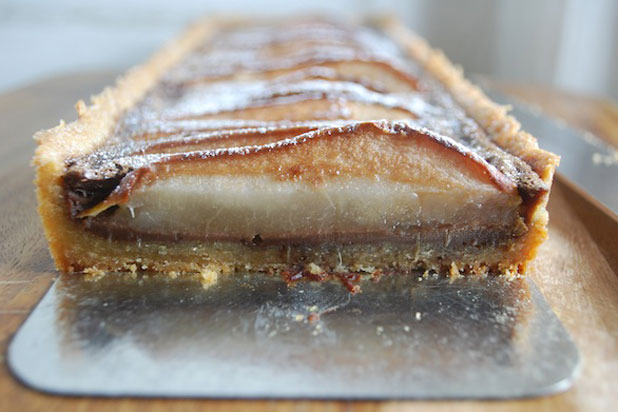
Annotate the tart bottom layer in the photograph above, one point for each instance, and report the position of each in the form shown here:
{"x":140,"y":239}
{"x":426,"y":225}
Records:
{"x":478,"y":251}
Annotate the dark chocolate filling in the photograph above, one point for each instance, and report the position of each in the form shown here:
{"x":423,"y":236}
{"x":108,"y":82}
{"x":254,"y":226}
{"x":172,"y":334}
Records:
{"x":443,"y":235}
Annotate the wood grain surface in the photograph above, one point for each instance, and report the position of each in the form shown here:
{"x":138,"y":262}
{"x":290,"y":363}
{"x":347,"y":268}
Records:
{"x":577,"y":268}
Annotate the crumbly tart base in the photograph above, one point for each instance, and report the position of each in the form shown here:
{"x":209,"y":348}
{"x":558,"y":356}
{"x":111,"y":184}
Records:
{"x":75,"y":250}
{"x":224,"y":257}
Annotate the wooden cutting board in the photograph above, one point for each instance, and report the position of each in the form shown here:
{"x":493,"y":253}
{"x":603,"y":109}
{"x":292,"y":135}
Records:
{"x":577,"y":268}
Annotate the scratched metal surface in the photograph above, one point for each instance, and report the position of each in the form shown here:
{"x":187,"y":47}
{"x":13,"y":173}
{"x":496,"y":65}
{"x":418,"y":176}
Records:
{"x":256,"y":337}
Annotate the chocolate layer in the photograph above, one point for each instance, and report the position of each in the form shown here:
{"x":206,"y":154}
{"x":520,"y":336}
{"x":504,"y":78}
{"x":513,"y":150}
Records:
{"x":437,"y":236}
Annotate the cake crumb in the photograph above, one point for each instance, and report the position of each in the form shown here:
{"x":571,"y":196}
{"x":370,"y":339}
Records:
{"x":132,"y":268}
{"x":510,"y":273}
{"x":314,"y":269}
{"x":93,"y":273}
{"x":418,"y":316}
{"x":173,"y":274}
{"x":454,"y":272}
{"x":363,"y":268}
{"x":208,"y":276}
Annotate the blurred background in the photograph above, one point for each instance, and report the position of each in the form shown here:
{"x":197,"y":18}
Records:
{"x":566,"y":44}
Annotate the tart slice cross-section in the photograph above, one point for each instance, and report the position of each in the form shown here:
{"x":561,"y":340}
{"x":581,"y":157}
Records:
{"x":299,"y":146}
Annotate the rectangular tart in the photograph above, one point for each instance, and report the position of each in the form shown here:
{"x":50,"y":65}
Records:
{"x":294,"y":146}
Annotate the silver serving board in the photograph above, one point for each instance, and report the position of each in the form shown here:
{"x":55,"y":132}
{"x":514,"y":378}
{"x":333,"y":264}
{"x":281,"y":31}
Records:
{"x":256,"y":337}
